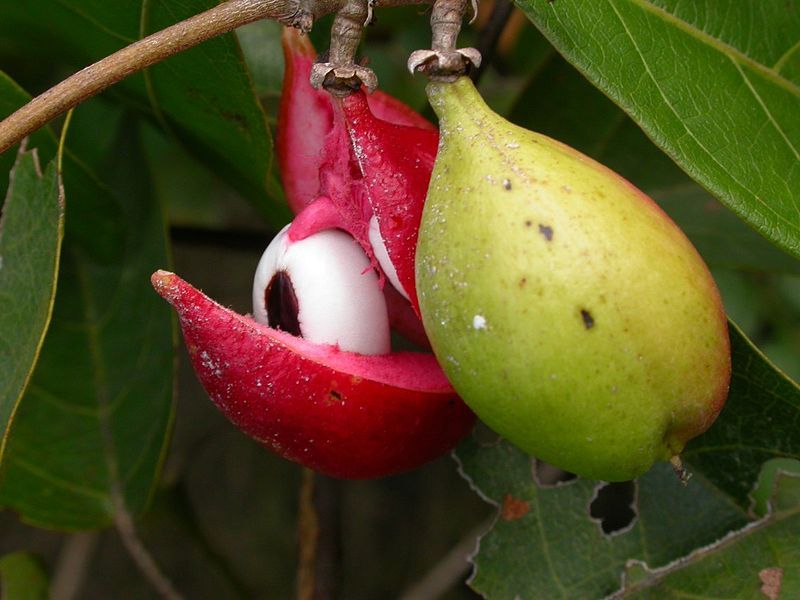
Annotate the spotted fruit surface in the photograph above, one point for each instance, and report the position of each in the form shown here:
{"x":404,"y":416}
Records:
{"x":567,"y":309}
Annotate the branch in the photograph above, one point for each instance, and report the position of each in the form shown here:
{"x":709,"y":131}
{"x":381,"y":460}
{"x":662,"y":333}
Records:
{"x":72,"y":565}
{"x":450,"y":570}
{"x":84,"y":84}
{"x":319,"y":564}
{"x":137,"y":550}
{"x":223,"y":18}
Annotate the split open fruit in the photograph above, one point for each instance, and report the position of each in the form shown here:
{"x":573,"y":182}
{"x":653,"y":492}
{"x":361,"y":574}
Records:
{"x":311,"y":375}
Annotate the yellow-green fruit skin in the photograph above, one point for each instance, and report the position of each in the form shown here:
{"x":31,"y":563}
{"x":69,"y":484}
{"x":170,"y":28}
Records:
{"x":568,"y":311}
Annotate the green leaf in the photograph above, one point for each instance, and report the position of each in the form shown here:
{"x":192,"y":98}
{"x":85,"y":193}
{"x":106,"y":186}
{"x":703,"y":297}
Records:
{"x":261,"y":47}
{"x":759,"y":561}
{"x":31,"y":230}
{"x":612,"y":138}
{"x":717,"y":87}
{"x":11,"y":98}
{"x":203,"y":96}
{"x":758,"y":423}
{"x":532,"y":550}
{"x":22,"y":578}
{"x":544,"y":543}
{"x":88,"y":440}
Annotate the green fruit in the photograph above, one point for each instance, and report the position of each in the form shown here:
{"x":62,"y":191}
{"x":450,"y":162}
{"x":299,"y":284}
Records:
{"x":568,"y":311}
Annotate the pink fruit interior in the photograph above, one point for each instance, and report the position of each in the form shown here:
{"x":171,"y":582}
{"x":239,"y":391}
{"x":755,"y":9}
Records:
{"x":342,"y":414}
{"x":396,"y":163}
{"x":306,"y":118}
{"x":407,"y":370}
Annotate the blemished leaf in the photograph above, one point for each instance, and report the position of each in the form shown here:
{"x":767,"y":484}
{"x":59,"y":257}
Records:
{"x":22,"y":578}
{"x":203,"y":96}
{"x":90,"y":433}
{"x":31,"y":231}
{"x":758,"y":562}
{"x":545,"y":544}
{"x":531,"y":549}
{"x":716,"y":87}
{"x":557,"y":101}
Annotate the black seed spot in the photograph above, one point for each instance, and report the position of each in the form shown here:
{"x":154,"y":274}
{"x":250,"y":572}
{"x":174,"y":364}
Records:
{"x":614,"y":506}
{"x":282,"y":307}
{"x":546,"y":231}
{"x":588,"y":319}
{"x":506,"y":184}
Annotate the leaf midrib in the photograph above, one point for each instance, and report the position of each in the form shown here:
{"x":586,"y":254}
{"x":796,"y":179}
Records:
{"x":726,"y":49}
{"x":776,"y":214}
{"x":100,"y":377}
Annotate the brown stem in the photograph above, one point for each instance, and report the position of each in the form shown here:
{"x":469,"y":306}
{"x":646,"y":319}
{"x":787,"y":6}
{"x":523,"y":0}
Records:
{"x":84,"y":84}
{"x":445,"y":62}
{"x":138,"y":552}
{"x":319,"y":565}
{"x":347,"y":29}
{"x":446,"y":23}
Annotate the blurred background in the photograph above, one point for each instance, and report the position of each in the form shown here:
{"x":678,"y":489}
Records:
{"x":224,"y":521}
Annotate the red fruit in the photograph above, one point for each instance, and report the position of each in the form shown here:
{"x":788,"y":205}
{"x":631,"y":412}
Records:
{"x":343,"y":414}
{"x":368,"y":159}
{"x":395,"y":163}
{"x":359,"y":413}
{"x":306,"y":117}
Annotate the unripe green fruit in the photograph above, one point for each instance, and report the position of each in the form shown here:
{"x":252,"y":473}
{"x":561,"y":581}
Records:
{"x":568,"y":311}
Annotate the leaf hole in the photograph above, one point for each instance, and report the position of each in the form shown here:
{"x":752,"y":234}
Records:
{"x":614,"y":506}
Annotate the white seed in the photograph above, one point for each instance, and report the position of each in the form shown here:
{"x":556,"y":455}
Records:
{"x":339,"y":299}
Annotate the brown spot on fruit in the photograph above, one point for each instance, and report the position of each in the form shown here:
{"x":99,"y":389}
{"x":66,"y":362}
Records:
{"x":336,"y":395}
{"x":546,"y":231}
{"x":771,"y":580}
{"x":528,"y":223}
{"x":513,"y":508}
{"x":523,"y":281}
{"x":588,"y":319}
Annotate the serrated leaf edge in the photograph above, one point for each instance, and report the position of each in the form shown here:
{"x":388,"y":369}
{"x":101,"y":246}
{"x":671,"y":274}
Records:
{"x":653,"y":576}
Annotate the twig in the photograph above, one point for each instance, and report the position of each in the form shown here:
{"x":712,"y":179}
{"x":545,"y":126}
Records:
{"x":452,"y":569}
{"x":319,"y":565}
{"x":185,"y":512}
{"x":490,"y":35}
{"x":159,"y":46}
{"x":84,"y":84}
{"x":140,"y":555}
{"x":70,"y":569}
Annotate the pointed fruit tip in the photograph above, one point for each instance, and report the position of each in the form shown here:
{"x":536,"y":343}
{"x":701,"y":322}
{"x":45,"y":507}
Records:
{"x":165,"y":284}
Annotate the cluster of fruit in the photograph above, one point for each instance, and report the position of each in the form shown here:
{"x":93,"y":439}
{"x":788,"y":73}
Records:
{"x":560,"y":303}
